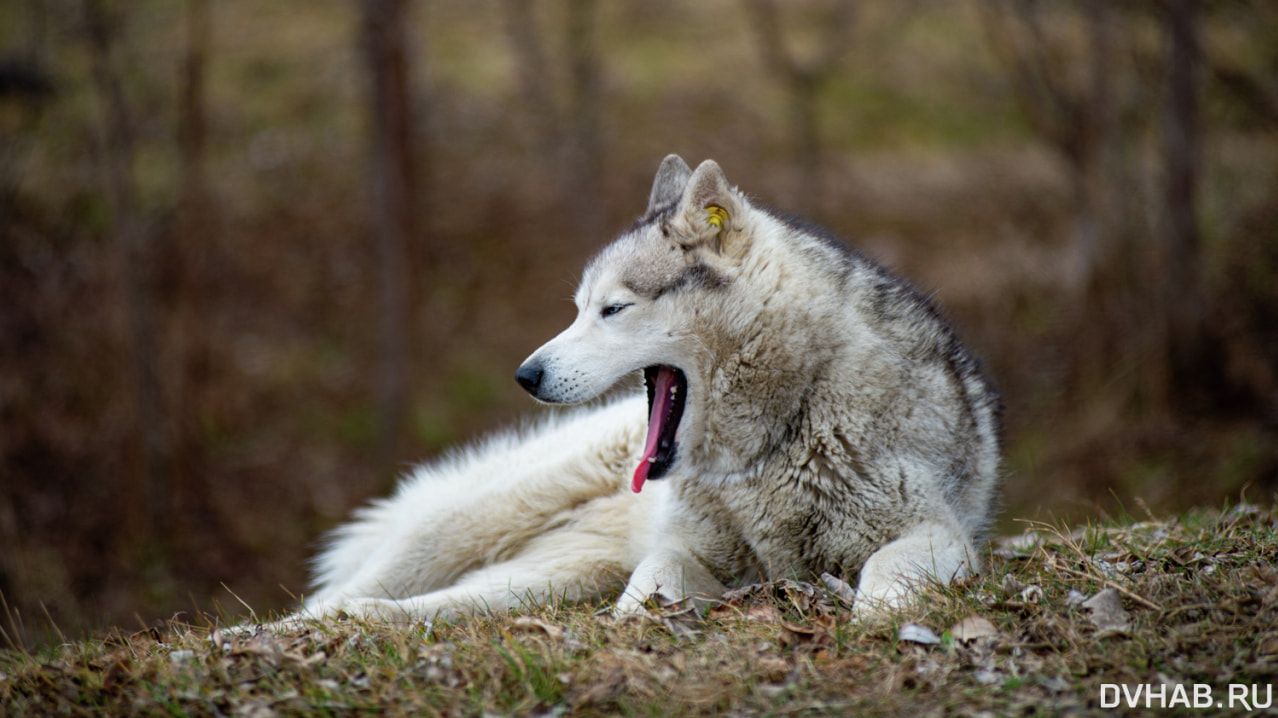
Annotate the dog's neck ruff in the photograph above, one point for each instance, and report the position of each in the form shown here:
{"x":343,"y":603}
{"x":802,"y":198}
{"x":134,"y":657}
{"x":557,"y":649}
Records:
{"x":667,"y":394}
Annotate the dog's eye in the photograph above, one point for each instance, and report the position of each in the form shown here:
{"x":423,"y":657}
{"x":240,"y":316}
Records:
{"x":611,"y":309}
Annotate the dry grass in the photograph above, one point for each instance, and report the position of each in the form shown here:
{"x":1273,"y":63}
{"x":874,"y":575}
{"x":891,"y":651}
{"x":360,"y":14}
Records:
{"x":1197,"y":603}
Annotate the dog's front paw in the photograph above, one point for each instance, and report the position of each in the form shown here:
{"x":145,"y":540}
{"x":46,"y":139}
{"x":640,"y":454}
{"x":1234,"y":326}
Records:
{"x":877,"y":600}
{"x":638,"y":597}
{"x":629,"y":607}
{"x":667,"y":577}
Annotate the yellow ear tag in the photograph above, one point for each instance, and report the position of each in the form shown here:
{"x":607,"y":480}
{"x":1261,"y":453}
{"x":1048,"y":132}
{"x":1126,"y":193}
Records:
{"x":716,"y":215}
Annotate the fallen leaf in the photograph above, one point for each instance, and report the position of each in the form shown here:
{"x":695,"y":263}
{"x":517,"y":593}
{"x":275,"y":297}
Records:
{"x":972,"y":628}
{"x":815,"y":635}
{"x":914,"y":633}
{"x":738,"y":596}
{"x":528,"y":623}
{"x":793,"y":634}
{"x":763,"y":613}
{"x":800,"y":594}
{"x":840,"y":588}
{"x":1107,"y":611}
{"x":1011,"y":585}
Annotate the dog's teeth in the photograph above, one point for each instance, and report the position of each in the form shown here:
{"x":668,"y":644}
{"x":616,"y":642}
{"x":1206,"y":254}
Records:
{"x":651,"y":459}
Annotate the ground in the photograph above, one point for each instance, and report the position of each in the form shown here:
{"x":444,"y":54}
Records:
{"x":1063,"y":621}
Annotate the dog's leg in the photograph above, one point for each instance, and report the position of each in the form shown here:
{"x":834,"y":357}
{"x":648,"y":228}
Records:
{"x":670,"y":575}
{"x":495,"y":588}
{"x":894,"y":574}
{"x":536,"y":578}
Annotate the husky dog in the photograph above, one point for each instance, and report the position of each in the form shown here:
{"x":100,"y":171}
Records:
{"x":806,"y":412}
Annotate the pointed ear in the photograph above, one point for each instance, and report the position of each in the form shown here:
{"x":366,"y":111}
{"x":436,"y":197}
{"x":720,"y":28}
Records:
{"x":710,"y":207}
{"x":667,"y":188}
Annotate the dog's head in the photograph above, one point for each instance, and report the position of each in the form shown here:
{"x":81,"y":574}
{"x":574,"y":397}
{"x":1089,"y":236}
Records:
{"x":659,"y":300}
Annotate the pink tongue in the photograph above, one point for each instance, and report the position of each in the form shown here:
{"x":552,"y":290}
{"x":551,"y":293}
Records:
{"x":656,"y":420}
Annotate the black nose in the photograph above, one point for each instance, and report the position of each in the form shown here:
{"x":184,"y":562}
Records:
{"x":529,"y":377}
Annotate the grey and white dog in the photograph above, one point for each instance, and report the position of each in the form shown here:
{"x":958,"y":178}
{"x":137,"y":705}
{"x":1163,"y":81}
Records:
{"x":806,"y":412}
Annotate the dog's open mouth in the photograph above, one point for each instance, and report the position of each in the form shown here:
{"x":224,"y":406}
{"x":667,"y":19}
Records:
{"x":667,"y":394}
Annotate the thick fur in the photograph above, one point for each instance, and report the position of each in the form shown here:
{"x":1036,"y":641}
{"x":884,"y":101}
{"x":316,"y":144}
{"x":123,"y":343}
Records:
{"x":833,"y":423}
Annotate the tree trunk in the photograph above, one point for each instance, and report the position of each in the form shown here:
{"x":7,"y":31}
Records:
{"x":1182,"y":306}
{"x":133,"y":264}
{"x":193,"y":257}
{"x":393,"y":190}
{"x":583,"y":151}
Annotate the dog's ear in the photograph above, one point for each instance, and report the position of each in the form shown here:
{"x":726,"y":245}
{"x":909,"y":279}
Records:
{"x":667,"y":188}
{"x":711,"y":210}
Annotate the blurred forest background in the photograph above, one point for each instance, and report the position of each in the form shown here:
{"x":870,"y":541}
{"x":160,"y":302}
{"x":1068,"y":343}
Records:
{"x":257,"y":257}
